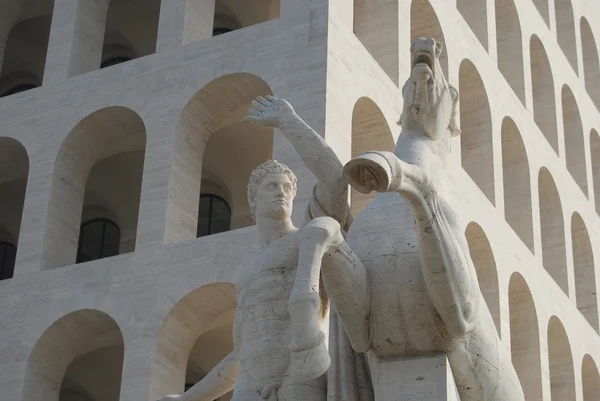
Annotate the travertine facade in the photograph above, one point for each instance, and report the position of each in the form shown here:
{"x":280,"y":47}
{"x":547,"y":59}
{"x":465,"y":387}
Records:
{"x":139,"y":141}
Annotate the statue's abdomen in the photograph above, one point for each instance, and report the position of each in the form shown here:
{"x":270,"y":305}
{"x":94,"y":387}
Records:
{"x":403,"y":319}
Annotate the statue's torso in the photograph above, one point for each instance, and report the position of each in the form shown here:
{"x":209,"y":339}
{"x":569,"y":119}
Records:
{"x":262,"y":316}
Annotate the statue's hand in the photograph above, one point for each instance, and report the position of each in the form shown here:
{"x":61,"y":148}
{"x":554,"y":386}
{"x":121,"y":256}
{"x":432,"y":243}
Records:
{"x":270,"y":111}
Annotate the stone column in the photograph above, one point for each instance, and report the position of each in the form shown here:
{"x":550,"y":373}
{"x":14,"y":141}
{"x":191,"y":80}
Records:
{"x":184,"y":21}
{"x":76,"y":38}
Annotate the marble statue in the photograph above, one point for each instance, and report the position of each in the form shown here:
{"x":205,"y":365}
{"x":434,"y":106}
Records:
{"x":423,"y":296}
{"x":280,"y":349}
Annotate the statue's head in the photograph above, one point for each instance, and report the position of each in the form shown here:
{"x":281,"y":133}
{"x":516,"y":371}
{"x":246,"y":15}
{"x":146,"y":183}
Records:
{"x":429,"y":101}
{"x":271,"y":191}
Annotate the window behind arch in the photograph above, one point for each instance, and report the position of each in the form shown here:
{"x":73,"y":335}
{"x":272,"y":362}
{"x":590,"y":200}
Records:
{"x":98,"y":238}
{"x":214,"y":215}
{"x":8,"y":253}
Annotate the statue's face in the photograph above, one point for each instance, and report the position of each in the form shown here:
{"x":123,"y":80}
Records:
{"x":275,"y":197}
{"x":428,"y":100}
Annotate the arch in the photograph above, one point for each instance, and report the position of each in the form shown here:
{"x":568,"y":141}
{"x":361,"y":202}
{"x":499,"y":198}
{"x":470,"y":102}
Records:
{"x":475,"y":14}
{"x":562,"y":374}
{"x":590,"y":379}
{"x":193,"y":316}
{"x":553,"y":230}
{"x":565,"y":30}
{"x":544,"y":97}
{"x":131,"y":30}
{"x":585,"y":275}
{"x":103,"y":151}
{"x":524,"y":337}
{"x":510,"y":46}
{"x":70,"y":350}
{"x":425,"y":23}
{"x":542,"y":7}
{"x":574,"y":142}
{"x":591,"y":65}
{"x":487,"y":272}
{"x":14,"y":171}
{"x":24,"y":37}
{"x":210,"y":138}
{"x":595,"y":155}
{"x":370,"y":131}
{"x":476,"y":125}
{"x":517,"y":182}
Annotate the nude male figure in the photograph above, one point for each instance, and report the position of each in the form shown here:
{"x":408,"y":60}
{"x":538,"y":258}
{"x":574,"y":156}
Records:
{"x":279,"y":346}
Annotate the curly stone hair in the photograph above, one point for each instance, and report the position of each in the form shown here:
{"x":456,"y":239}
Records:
{"x":259,"y":174}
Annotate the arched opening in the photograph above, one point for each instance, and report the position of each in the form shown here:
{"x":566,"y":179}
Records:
{"x":517,"y":183}
{"x":131,"y":30}
{"x":79,"y":357}
{"x":485,"y":266}
{"x":552,"y":226}
{"x":424,"y":23}
{"x":542,"y":7}
{"x":23,"y":46}
{"x":574,"y":143}
{"x":14,"y":170}
{"x":510,"y":47}
{"x":98,"y":172}
{"x":376,"y":25}
{"x":476,"y":125}
{"x":370,"y":131}
{"x":585,"y":275}
{"x":595,"y":155}
{"x":590,"y":379}
{"x":591,"y":65}
{"x":524,"y":337}
{"x":212,"y":143}
{"x":544,"y":98}
{"x":562,"y":374}
{"x":210,"y":349}
{"x":195,"y":335}
{"x":565,"y":27}
{"x":475,"y":14}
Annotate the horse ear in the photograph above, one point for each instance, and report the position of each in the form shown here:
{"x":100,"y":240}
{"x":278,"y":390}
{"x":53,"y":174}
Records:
{"x":454,"y":128}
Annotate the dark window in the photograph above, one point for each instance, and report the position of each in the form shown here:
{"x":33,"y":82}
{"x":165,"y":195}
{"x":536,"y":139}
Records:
{"x":214,"y":215}
{"x":98,"y":239}
{"x":114,"y":61}
{"x":8,"y":253}
{"x":221,"y":31}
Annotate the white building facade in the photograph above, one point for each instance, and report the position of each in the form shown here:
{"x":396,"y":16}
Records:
{"x":124,"y":163}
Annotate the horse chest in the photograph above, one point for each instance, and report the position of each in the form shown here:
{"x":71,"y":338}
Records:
{"x":403,"y":319}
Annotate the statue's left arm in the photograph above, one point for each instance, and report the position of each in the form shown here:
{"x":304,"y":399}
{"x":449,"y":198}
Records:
{"x":331,"y":191}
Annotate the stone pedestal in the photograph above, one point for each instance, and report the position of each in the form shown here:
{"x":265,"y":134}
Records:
{"x":427,"y":378}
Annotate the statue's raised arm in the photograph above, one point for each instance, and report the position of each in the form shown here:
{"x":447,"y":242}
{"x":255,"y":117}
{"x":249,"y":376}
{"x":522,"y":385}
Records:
{"x":331,"y":191}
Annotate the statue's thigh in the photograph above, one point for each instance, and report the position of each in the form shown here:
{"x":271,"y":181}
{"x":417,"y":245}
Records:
{"x":245,"y":389}
{"x":311,"y":390}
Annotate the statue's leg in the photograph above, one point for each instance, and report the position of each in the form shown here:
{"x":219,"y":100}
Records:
{"x":313,"y":390}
